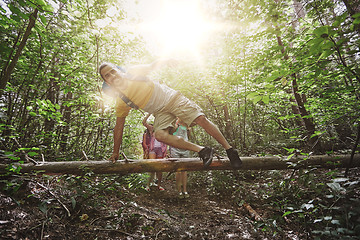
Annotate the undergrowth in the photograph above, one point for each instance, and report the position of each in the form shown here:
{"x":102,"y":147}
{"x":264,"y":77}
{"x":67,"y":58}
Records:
{"x":321,"y":202}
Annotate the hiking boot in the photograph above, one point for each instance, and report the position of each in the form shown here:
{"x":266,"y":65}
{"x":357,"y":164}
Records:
{"x":206,"y":154}
{"x":234,"y":158}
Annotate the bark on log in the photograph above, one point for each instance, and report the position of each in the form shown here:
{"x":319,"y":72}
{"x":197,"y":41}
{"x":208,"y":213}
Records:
{"x":187,"y":164}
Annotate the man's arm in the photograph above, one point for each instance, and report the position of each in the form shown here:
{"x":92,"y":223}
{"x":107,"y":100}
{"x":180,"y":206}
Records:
{"x":145,"y":69}
{"x":118,"y":133}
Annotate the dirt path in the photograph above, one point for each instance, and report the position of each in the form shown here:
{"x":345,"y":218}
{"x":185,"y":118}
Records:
{"x":197,"y":217}
{"x":122,"y":213}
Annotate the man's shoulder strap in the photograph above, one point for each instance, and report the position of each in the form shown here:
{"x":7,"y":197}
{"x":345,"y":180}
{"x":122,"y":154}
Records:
{"x":106,"y":87}
{"x":128,"y":101}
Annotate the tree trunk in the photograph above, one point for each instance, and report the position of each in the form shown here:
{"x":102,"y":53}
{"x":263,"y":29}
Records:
{"x":307,"y":121}
{"x":228,"y":125}
{"x":65,"y":130}
{"x":353,"y":6}
{"x":187,"y":164}
{"x":7,"y":72}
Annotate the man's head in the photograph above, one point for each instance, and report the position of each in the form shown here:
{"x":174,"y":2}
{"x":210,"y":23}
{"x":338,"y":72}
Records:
{"x":112,"y":75}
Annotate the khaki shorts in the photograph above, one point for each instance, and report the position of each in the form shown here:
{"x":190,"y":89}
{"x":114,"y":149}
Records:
{"x":178,"y":106}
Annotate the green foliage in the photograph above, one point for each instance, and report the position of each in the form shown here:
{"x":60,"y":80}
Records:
{"x":53,"y":100}
{"x":53,"y":105}
{"x":319,"y":200}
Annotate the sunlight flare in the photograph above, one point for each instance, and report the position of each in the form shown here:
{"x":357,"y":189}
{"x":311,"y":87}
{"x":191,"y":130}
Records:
{"x":179,"y":27}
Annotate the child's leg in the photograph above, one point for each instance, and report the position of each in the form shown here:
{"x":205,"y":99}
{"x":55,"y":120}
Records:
{"x":178,"y":181}
{"x":151,"y":178}
{"x":152,"y":155}
{"x":184,"y":181}
{"x":159,"y":178}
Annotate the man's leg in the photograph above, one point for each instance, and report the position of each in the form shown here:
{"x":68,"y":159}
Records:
{"x":175,"y":141}
{"x":213,"y":130}
{"x":205,"y":153}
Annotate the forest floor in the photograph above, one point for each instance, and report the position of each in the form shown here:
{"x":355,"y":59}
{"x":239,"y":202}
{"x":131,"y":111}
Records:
{"x":52,"y":208}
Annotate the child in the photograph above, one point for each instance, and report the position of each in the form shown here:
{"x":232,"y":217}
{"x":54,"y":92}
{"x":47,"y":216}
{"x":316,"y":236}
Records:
{"x":153,"y":149}
{"x":181,"y":177}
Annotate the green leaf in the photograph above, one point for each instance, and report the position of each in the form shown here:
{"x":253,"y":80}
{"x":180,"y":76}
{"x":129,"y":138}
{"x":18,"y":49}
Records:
{"x":252,"y":95}
{"x":14,"y":9}
{"x":322,"y":31}
{"x":73,"y":202}
{"x":43,"y":5}
{"x":327,"y":45}
{"x":257,"y":99}
{"x":357,"y":21}
{"x":287,"y":213}
{"x":314,"y":44}
{"x":266,"y":99}
{"x":23,"y":149}
{"x":43,"y":206}
{"x":356,"y":15}
{"x":317,"y":133}
{"x":290,"y":156}
{"x":43,"y":19}
{"x":341,"y":41}
{"x":31,"y":154}
{"x":326,"y":53}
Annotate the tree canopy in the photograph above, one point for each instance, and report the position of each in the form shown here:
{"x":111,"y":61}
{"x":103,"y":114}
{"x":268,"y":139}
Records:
{"x":276,"y":77}
{"x":273,"y":75}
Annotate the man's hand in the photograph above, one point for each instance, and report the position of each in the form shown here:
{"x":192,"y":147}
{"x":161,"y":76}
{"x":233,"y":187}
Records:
{"x":172,"y":63}
{"x":114,"y":157}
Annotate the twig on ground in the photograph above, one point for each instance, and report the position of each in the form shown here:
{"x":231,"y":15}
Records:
{"x":117,"y":230}
{"x":96,"y":192}
{"x":56,"y":197}
{"x":156,"y":237}
{"x":353,"y":151}
{"x":42,"y":230}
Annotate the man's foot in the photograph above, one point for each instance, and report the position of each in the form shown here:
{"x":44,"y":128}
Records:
{"x":234,"y":158}
{"x":147,"y":189}
{"x":206,"y":154}
{"x":181,"y":195}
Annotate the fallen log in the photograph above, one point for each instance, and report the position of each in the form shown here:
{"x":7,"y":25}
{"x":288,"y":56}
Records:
{"x":186,"y":164}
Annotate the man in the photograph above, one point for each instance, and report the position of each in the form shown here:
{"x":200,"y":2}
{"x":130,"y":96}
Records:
{"x":137,"y":91}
